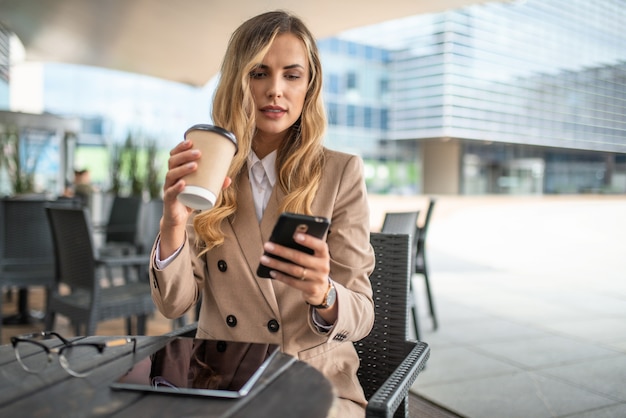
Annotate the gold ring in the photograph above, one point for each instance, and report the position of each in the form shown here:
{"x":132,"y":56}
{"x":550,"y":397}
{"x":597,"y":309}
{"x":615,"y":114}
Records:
{"x":303,"y":274}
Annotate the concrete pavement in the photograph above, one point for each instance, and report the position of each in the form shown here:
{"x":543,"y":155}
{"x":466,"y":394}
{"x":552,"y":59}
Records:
{"x":531,"y":299}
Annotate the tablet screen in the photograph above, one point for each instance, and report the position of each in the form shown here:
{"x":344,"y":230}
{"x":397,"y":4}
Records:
{"x":192,"y":366}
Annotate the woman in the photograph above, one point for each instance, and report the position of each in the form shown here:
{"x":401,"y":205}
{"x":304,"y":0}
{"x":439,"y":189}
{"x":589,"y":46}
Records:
{"x":315,"y":306}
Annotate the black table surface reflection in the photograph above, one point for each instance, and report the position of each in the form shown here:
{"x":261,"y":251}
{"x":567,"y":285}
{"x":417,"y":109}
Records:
{"x":287,"y":387}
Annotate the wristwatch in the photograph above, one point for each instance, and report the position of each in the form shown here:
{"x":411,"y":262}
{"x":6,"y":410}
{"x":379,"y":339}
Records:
{"x":329,"y":298}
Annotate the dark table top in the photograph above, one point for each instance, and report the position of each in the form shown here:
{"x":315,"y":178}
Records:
{"x":296,"y":390}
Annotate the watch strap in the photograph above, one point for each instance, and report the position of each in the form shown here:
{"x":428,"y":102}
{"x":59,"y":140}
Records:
{"x":324,"y":304}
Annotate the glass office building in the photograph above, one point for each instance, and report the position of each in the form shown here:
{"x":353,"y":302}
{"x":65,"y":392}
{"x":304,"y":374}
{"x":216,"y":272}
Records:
{"x":356,"y":95}
{"x":521,"y":97}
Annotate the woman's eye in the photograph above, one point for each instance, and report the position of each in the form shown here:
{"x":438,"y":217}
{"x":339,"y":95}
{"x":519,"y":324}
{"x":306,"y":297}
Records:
{"x":292,"y":77}
{"x":256,"y":74}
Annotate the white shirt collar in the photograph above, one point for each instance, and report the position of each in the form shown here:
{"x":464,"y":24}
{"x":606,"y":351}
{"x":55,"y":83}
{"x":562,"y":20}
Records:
{"x":269,"y":164}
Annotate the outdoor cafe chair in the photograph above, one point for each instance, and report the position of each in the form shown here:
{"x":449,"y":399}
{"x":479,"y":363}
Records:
{"x":421,"y":265}
{"x":80,"y":293}
{"x":390,"y":363}
{"x":406,"y":223}
{"x":149,"y":224}
{"x":26,"y":251}
{"x":121,"y":231}
{"x":122,"y":225}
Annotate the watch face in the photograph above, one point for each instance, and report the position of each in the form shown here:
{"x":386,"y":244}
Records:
{"x":331,"y":297}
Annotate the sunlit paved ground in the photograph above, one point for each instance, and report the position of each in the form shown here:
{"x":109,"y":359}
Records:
{"x":531,"y":298}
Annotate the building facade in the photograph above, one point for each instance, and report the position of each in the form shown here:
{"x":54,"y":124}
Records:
{"x":527,"y":97}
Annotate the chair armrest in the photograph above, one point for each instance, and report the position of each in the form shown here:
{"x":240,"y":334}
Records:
{"x":390,"y":395}
{"x":120,"y":228}
{"x":125,"y":260}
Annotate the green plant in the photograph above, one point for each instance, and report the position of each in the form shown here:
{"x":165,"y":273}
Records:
{"x":153,"y":178}
{"x":126,"y":177}
{"x":136,"y":167}
{"x":116,"y":169}
{"x":131,"y":155}
{"x":19,"y":161}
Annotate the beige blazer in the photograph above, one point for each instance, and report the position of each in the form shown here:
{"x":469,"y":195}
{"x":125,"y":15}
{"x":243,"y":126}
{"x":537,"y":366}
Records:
{"x":237,"y":305}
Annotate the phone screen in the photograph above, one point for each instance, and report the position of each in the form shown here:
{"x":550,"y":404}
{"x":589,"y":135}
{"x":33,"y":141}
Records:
{"x":286,"y":226}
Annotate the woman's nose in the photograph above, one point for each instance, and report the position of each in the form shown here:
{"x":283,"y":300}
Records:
{"x":275,"y":88}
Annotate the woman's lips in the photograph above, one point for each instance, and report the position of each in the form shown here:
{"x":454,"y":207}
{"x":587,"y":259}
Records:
{"x":273,"y":112}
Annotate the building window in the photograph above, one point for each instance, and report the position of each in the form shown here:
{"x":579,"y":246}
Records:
{"x":332,"y":84}
{"x":351,"y":81}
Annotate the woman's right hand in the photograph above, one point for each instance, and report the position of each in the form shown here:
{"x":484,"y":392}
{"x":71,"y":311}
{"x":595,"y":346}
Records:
{"x":183,"y":160}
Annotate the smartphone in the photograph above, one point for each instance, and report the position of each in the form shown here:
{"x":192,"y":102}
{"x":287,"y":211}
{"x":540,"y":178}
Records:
{"x":286,"y":226}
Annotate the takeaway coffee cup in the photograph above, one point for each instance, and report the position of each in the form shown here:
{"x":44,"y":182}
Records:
{"x":218,"y":147}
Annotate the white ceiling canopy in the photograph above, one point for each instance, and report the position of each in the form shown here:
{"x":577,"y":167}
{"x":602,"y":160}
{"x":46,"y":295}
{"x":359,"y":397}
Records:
{"x":178,"y":40}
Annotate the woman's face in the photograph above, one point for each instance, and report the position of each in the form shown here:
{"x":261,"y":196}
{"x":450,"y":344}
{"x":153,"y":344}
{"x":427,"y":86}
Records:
{"x":279,"y":85}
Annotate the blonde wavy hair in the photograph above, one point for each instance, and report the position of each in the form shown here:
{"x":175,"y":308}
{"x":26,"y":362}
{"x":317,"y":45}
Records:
{"x":300,"y":157}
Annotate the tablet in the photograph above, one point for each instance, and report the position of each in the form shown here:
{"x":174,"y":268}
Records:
{"x":192,"y":366}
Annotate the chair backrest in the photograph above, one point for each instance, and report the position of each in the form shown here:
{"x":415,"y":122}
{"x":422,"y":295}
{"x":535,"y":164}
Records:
{"x":123,"y":221}
{"x":403,"y":223}
{"x":420,"y":258}
{"x":400,"y":222}
{"x":150,"y":224}
{"x":429,"y":212}
{"x":25,"y":238}
{"x":384,"y":348}
{"x":73,"y":245}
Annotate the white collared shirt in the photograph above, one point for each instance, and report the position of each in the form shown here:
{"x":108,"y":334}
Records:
{"x":262,"y":181}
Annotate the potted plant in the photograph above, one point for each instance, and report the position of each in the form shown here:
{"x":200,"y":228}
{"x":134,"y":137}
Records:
{"x":153,"y":171}
{"x":126,"y":177}
{"x":19,"y":163}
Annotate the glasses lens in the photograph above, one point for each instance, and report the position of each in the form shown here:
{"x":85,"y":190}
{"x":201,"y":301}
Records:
{"x":31,"y":356}
{"x":78,"y":359}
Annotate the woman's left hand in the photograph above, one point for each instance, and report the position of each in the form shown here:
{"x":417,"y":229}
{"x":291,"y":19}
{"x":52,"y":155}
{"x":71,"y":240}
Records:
{"x":305,"y":272}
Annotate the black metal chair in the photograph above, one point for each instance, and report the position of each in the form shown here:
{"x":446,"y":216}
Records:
{"x":421,"y":265}
{"x":122,"y":225}
{"x":26,"y":252}
{"x":149,"y":225}
{"x":80,"y":294}
{"x":121,"y":232}
{"x":406,"y":223}
{"x":390,"y":363}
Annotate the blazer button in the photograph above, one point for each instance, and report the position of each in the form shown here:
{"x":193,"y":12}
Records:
{"x":222,"y":266}
{"x":273,"y":325}
{"x":231,"y":321}
{"x":221,"y":346}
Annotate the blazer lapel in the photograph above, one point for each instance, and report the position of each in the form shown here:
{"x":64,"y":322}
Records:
{"x":251,"y":236}
{"x":270,"y":215}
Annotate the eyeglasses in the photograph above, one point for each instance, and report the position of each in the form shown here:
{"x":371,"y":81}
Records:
{"x":34,"y":356}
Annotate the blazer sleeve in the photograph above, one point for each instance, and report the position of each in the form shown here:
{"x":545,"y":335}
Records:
{"x":352,"y":256}
{"x":175,"y":289}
